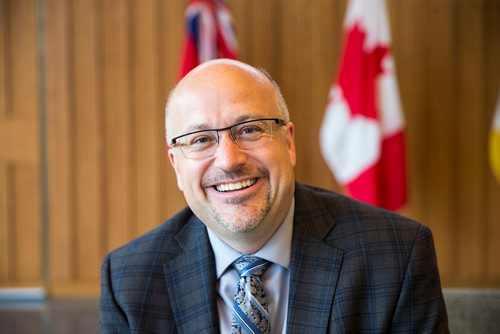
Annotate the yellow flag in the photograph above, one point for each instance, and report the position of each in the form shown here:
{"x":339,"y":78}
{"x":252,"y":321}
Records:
{"x":495,"y":141}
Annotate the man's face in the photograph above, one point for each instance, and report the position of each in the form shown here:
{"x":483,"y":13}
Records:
{"x":217,"y":97}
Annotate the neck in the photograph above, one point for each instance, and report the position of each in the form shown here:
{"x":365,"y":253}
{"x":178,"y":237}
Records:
{"x":246,"y":244}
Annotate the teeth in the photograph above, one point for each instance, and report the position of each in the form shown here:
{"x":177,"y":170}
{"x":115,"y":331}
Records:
{"x":235,"y":186}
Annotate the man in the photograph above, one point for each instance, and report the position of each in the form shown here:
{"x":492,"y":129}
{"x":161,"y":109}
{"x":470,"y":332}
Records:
{"x":334,"y":265}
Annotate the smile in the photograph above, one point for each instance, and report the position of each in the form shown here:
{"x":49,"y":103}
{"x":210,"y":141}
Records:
{"x":235,"y":186}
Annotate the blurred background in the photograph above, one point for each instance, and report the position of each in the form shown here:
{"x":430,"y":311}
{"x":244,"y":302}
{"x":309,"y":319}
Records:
{"x":83,"y":84}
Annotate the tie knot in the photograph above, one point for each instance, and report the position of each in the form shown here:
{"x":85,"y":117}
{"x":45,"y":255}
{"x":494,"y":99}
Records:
{"x":248,"y":265}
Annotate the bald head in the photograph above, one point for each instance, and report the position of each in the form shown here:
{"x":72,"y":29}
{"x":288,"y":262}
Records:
{"x":217,"y":78}
{"x":239,"y":178}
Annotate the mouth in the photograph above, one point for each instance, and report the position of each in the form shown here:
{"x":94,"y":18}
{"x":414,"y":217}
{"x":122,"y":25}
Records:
{"x":225,"y":187}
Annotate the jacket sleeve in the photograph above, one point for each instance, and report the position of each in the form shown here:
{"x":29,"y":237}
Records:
{"x":421,"y":307}
{"x":112,"y":319}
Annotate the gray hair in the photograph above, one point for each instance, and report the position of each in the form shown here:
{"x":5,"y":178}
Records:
{"x":168,"y":127}
{"x":280,"y":100}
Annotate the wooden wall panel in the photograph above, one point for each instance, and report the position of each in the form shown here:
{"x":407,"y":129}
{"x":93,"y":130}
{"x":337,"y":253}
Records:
{"x":407,"y":18}
{"x":4,"y":58}
{"x":171,"y":34}
{"x":25,"y":179}
{"x":472,"y":133}
{"x":118,"y":125}
{"x":88,"y":137}
{"x":59,"y":85}
{"x":291,"y":75}
{"x":109,"y":68}
{"x":6,"y":221}
{"x":20,"y":224}
{"x":27,"y":261}
{"x":439,"y":130}
{"x":147,"y":129}
{"x":5,"y":239}
{"x":258,"y":39}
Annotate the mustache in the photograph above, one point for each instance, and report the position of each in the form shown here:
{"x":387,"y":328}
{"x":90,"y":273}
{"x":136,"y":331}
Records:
{"x":238,"y":172}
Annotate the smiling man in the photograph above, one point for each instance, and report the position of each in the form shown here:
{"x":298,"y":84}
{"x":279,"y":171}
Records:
{"x":254,"y":251}
{"x":242,"y":191}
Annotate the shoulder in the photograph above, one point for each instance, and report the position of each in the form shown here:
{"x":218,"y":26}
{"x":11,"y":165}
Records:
{"x":387,"y":262}
{"x":348,"y":223}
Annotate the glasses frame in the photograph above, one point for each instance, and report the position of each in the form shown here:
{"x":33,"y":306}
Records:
{"x":278,"y":121}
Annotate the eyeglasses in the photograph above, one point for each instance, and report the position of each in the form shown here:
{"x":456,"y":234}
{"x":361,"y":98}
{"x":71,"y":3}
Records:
{"x":203,"y":143}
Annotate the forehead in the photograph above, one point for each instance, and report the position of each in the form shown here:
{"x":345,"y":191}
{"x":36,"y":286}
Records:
{"x":219,"y":99}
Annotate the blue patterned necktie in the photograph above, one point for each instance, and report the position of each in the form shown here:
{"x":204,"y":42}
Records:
{"x":250,"y":313}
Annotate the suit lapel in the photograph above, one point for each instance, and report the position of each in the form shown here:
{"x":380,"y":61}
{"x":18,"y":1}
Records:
{"x":314,"y":270}
{"x":191,"y":282}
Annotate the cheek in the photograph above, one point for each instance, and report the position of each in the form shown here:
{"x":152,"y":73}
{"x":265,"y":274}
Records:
{"x":279,"y":163}
{"x":191,"y":177}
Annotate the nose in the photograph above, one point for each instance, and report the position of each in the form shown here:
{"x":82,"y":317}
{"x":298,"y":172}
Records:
{"x":228,"y":155}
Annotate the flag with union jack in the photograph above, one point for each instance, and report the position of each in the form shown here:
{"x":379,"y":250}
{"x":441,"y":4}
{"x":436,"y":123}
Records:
{"x":209,"y":34}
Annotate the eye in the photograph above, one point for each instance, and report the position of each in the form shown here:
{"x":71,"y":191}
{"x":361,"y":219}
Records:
{"x":201,"y":140}
{"x":251,"y":129}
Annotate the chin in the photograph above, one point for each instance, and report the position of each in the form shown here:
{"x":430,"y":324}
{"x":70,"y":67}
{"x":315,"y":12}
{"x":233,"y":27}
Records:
{"x":241,"y":218}
{"x":240,"y":221}
{"x":238,"y":225}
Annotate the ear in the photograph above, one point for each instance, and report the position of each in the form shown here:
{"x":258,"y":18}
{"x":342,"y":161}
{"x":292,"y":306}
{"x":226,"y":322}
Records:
{"x":174,"y":162}
{"x":290,"y":142}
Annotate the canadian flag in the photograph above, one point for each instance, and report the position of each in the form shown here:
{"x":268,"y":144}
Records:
{"x":362,"y":134}
{"x":209,"y":34}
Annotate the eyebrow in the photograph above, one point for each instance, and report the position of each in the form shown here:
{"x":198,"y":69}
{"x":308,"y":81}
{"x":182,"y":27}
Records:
{"x":195,"y":127}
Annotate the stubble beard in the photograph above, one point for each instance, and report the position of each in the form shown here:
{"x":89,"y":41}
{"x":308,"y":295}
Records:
{"x":248,"y":217}
{"x":245,"y":220}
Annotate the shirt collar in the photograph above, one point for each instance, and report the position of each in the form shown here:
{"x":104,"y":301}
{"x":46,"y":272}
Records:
{"x":276,"y":250}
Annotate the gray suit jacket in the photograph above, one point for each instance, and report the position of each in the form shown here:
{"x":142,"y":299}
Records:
{"x":354,"y":269}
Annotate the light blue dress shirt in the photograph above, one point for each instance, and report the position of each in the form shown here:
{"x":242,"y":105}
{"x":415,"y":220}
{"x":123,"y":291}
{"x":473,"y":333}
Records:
{"x":276,"y":279}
